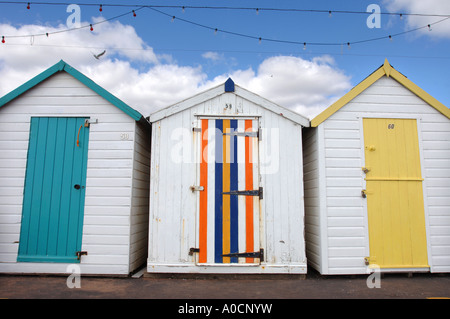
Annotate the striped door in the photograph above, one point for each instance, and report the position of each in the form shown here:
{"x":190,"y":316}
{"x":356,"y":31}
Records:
{"x":228,"y":220}
{"x":53,"y":205}
{"x":395,"y":206}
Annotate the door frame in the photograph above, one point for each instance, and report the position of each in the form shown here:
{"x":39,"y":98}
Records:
{"x":197,"y":147}
{"x":360,"y":116}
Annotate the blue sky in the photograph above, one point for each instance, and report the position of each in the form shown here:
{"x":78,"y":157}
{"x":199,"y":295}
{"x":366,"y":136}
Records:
{"x":152,"y":61}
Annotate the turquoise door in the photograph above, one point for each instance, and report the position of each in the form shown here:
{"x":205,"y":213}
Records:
{"x":54,"y":191}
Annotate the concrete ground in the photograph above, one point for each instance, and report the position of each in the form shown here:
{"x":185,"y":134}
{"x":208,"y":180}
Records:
{"x":312,"y":286}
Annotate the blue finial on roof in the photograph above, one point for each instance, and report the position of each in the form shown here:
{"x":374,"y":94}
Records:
{"x":229,"y":85}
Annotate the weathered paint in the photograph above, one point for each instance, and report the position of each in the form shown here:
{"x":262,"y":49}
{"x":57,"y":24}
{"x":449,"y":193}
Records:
{"x":277,"y":222}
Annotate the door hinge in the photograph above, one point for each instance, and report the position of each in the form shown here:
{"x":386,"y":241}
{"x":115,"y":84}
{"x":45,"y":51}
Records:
{"x":257,"y":134}
{"x":257,"y":192}
{"x":88,"y":122}
{"x":193,"y":250}
{"x":256,"y":254}
{"x":80,"y":253}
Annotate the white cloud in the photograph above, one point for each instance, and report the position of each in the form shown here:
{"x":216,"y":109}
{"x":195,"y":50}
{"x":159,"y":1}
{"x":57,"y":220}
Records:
{"x":148,"y":82}
{"x":440,"y":7}
{"x":305,"y":86}
{"x":214,"y":56}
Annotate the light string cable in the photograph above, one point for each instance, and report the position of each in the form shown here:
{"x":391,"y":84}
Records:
{"x":390,"y":36}
{"x":89,"y":25}
{"x":257,"y":9}
{"x":154,"y":8}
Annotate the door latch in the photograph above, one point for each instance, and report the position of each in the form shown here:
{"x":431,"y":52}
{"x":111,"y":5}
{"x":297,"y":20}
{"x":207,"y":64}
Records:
{"x":364,"y":193}
{"x":365,"y":170}
{"x":197,"y":188}
{"x":80,"y":253}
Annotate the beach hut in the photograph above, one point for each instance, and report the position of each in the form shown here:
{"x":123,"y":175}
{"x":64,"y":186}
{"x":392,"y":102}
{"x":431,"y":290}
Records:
{"x":377,"y":180}
{"x":74,"y":178}
{"x":226,"y":189}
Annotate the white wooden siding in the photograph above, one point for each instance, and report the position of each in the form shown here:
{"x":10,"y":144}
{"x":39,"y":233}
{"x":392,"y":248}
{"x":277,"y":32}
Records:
{"x":173,"y":206}
{"x":346,"y":212}
{"x":106,"y":231}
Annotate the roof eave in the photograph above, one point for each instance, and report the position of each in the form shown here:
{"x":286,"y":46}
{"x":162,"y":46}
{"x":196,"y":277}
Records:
{"x":385,"y":70}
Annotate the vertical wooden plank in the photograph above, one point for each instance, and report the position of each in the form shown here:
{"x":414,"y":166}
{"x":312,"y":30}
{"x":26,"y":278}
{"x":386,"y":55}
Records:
{"x":218,"y":193}
{"x":211,"y":190}
{"x":57,"y":187}
{"x":47,"y":187}
{"x":226,"y":188}
{"x":249,"y":200}
{"x":241,"y":156}
{"x":28,"y":187}
{"x":234,"y":213}
{"x":203,"y":194}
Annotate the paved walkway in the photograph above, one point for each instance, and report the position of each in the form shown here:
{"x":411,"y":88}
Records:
{"x":314,"y":286}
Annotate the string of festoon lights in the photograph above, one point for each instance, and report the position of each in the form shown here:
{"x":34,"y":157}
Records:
{"x":134,"y":8}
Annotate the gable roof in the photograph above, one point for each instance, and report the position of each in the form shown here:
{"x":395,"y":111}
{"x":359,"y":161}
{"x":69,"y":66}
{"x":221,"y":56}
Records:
{"x":385,"y":70}
{"x":229,"y":87}
{"x":63,"y":66}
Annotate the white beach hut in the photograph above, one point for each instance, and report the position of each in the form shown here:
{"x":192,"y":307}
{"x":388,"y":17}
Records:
{"x":377,"y":180}
{"x":74,"y":178}
{"x":226,"y":192}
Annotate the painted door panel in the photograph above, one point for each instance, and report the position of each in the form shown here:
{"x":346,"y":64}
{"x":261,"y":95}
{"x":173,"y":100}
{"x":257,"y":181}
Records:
{"x":52,"y":215}
{"x":395,"y":206}
{"x":228,"y":223}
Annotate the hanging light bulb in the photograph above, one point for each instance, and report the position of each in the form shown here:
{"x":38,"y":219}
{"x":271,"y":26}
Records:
{"x":260,"y":40}
{"x":390,"y":38}
{"x":304,"y":45}
{"x":215,"y":31}
{"x":429,"y":27}
{"x":329,"y":14}
{"x":92,"y":28}
{"x":348,"y":45}
{"x":173,"y":18}
{"x":28,"y":6}
{"x":101,"y":8}
{"x":134,"y":13}
{"x":257,"y":11}
{"x":401,"y":16}
{"x":3,"y":39}
{"x":183,"y":9}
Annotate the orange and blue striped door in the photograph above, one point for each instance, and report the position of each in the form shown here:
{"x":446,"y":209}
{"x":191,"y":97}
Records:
{"x":228,"y":221}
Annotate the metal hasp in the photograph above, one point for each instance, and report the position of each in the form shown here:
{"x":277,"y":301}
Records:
{"x":80,"y":253}
{"x":258,"y":192}
{"x":193,"y":250}
{"x":257,"y":254}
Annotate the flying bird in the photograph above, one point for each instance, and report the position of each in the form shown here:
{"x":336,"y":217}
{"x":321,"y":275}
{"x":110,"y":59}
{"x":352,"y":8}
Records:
{"x":97,"y":56}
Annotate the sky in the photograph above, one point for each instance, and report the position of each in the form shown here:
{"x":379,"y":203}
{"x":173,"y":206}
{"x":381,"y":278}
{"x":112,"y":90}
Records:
{"x":167,"y":53}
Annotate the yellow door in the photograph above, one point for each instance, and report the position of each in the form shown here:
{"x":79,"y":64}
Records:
{"x":395,"y":206}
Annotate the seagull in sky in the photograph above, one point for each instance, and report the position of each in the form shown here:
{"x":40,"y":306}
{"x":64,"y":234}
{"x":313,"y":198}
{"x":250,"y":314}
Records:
{"x":97,"y":56}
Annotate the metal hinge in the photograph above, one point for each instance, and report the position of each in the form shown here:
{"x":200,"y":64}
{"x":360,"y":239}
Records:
{"x":88,"y":122}
{"x":256,"y":254}
{"x":197,"y":188}
{"x":257,"y":134}
{"x":258,"y":192}
{"x":193,"y":250}
{"x":80,"y":253}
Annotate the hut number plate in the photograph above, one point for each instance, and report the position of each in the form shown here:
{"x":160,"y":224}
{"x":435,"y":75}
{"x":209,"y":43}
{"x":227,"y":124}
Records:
{"x":390,"y":126}
{"x":124,"y":136}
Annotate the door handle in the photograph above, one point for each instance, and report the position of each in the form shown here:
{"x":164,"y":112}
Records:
{"x":76,"y":186}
